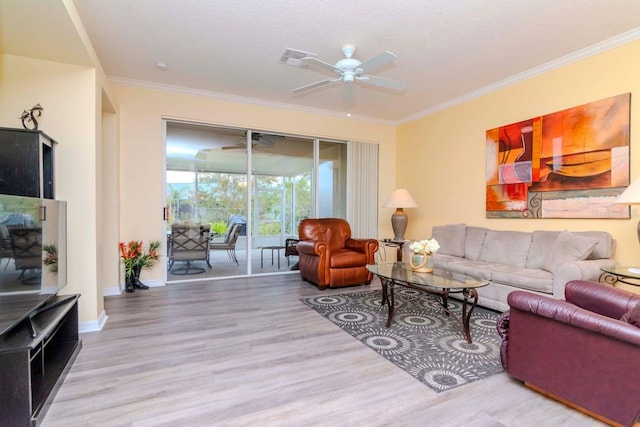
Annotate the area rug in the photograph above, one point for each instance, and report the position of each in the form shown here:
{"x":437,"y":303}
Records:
{"x":422,"y":340}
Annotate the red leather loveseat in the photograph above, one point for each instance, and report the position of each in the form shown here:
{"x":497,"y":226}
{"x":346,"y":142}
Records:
{"x":328,"y":256}
{"x":578,"y":351}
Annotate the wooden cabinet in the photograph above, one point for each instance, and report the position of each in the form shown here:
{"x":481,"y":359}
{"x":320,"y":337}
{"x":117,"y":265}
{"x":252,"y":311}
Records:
{"x":35,"y":355}
{"x":26,"y":163}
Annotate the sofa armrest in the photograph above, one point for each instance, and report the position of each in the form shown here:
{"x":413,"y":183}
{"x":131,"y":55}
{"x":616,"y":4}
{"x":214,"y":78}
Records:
{"x":600,"y":298}
{"x":578,"y":270}
{"x":574,"y":316}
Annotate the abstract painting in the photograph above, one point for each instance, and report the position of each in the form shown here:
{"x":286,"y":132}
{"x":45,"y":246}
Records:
{"x":569,"y":164}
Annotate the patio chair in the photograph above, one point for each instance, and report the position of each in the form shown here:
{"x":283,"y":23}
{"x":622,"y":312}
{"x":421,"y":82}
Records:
{"x":229,"y":242}
{"x":290,"y":249}
{"x":189,"y":244}
{"x":26,"y":245}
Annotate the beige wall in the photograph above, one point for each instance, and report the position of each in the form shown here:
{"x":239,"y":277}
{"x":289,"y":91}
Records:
{"x":441,"y":158}
{"x":68,"y":96}
{"x":141,"y":155}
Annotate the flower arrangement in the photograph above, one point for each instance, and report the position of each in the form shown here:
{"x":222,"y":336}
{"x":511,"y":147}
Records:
{"x":50,"y":257}
{"x":133,"y":255}
{"x":428,"y":246}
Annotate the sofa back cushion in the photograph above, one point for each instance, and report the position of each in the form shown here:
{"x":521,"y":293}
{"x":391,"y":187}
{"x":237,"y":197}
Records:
{"x":474,"y":239}
{"x":450,"y":238}
{"x":506,"y":247}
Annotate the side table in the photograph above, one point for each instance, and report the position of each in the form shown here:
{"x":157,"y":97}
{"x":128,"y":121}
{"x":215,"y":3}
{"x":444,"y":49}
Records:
{"x":614,"y":274}
{"x":274,"y":250}
{"x":399,"y":244}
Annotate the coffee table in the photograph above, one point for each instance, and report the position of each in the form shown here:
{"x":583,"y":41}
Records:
{"x":614,"y":274}
{"x":441,"y":281}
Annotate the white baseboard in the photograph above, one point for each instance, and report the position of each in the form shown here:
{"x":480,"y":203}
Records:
{"x":93,"y":325}
{"x":97,"y":325}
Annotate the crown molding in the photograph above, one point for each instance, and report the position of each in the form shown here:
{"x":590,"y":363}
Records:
{"x":603,"y":46}
{"x":123,"y":81}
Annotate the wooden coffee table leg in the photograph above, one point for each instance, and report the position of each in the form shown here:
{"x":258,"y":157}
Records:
{"x":384,"y":290}
{"x":445,"y":300}
{"x":391,"y":302}
{"x":472,"y":296}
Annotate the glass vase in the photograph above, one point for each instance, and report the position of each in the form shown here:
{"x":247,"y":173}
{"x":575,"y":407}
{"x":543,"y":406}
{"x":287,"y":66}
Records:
{"x":419,"y":262}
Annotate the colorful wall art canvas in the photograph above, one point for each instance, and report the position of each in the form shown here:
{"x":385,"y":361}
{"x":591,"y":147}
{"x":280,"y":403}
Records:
{"x":569,"y":164}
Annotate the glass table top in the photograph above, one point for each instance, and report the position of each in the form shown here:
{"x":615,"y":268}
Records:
{"x":439,"y":278}
{"x":631,"y":272}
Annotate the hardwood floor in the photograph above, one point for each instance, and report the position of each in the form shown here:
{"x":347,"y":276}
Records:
{"x":246,"y":352}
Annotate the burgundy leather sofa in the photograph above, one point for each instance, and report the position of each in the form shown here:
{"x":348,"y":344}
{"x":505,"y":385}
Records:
{"x":577,"y":351}
{"x":328,"y":256}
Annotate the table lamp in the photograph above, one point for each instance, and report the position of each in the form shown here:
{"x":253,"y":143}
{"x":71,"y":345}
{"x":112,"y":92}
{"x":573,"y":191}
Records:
{"x":400,"y":199}
{"x":631,"y":196}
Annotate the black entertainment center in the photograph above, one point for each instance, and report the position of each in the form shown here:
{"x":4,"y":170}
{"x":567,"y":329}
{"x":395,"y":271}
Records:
{"x":39,"y":338}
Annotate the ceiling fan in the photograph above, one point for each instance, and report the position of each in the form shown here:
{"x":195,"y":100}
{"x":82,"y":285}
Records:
{"x":256,"y":139}
{"x":350,"y":70}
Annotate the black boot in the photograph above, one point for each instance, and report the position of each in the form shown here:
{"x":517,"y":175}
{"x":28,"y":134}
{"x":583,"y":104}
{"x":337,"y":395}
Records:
{"x":129,"y":284}
{"x":137,"y":284}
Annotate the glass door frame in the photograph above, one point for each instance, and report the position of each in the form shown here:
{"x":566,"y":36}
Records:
{"x":249,"y":176}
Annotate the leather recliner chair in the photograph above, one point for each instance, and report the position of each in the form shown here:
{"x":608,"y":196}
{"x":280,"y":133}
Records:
{"x":329,"y":257}
{"x":580,"y":351}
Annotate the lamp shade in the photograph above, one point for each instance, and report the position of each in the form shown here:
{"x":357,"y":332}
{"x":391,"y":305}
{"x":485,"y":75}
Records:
{"x":630,"y":196}
{"x":401,"y":198}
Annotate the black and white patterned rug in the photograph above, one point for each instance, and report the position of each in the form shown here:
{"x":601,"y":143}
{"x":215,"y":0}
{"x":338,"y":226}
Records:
{"x":422,"y":339}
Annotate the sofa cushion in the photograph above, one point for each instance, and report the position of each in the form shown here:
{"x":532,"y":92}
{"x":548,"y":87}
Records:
{"x":450,"y":238}
{"x":474,"y":239}
{"x":476,"y":269}
{"x":632,"y":316}
{"x":443,"y":261}
{"x":568,"y":247}
{"x":523,"y":278}
{"x":506,"y":247}
{"x":541,"y":242}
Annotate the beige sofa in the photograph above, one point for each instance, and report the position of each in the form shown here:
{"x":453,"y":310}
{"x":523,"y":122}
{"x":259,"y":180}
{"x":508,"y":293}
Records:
{"x":541,"y":262}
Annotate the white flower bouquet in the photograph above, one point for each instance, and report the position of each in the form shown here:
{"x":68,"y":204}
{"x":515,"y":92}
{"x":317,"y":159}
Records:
{"x":427,"y":246}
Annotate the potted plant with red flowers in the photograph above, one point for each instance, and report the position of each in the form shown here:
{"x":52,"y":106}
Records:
{"x":135,"y":258}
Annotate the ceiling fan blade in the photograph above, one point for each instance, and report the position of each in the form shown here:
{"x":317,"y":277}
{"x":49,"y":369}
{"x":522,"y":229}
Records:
{"x":315,"y":85}
{"x":377,"y":61}
{"x":310,"y":60}
{"x":383,"y":82}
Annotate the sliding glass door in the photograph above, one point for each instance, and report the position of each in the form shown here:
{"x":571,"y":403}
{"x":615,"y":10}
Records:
{"x":256,"y":185}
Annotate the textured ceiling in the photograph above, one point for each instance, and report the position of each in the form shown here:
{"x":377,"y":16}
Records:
{"x":447,"y":50}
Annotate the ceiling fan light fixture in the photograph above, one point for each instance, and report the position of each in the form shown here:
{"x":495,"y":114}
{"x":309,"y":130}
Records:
{"x":348,"y":77}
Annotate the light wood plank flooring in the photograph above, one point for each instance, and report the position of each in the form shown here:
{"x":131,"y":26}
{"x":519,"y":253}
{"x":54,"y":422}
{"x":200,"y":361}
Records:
{"x":246,"y":352}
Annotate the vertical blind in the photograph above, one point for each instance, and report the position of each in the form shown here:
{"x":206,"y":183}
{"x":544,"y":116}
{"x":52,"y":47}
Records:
{"x":362,"y":188}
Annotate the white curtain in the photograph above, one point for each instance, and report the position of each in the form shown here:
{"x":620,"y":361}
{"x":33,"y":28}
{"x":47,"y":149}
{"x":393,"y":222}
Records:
{"x":362,"y":188}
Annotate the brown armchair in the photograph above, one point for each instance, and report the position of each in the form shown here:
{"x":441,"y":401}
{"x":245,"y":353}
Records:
{"x":328,"y":256}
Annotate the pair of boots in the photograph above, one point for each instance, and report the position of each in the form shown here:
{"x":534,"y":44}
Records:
{"x":133,"y":282}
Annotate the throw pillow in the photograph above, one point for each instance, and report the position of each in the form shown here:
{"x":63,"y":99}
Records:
{"x":568,"y":247}
{"x":450,"y":238}
{"x":541,"y":242}
{"x":632,"y":316}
